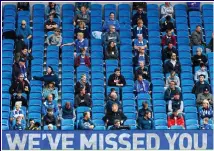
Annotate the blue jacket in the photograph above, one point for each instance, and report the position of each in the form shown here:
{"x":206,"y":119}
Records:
{"x":146,"y":124}
{"x":109,"y":22}
{"x":136,"y":16}
{"x":193,"y":5}
{"x":142,"y":87}
{"x":206,"y":112}
{"x":67,"y":113}
{"x":25,"y":32}
{"x":143,"y":31}
{"x":52,"y":105}
{"x":206,"y":126}
{"x":110,"y":103}
{"x":18,"y":127}
{"x":84,"y":124}
{"x":57,"y":10}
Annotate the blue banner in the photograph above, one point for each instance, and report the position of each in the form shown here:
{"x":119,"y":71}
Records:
{"x":101,"y":140}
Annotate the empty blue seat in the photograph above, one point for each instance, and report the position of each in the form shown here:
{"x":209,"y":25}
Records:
{"x":35,"y":116}
{"x":35,"y":109}
{"x":67,"y":128}
{"x":160,"y":116}
{"x":97,"y":116}
{"x":160,"y":122}
{"x":82,"y":109}
{"x":129,"y":103}
{"x":189,"y":97}
{"x":190,"y":109}
{"x":130,"y":122}
{"x":131,"y":115}
{"x":130,"y":109}
{"x":159,"y":102}
{"x":98,"y":96}
{"x":159,"y":109}
{"x":67,"y":122}
{"x":98,"y":122}
{"x":191,"y":122}
{"x":99,"y":128}
{"x":176,"y":127}
{"x":190,"y":116}
{"x":161,"y":127}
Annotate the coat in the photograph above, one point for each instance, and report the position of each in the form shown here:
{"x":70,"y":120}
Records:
{"x":114,"y":116}
{"x":143,"y":31}
{"x":146,"y":124}
{"x":137,"y":16}
{"x":79,"y":85}
{"x":86,"y":60}
{"x":84,"y":124}
{"x":196,"y":59}
{"x":141,"y":72}
{"x":82,"y":101}
{"x":49,"y":119}
{"x":206,"y":112}
{"x":168,"y":67}
{"x":113,"y":77}
{"x":196,"y":38}
{"x":199,"y":87}
{"x":171,"y":120}
{"x":166,"y":39}
{"x":169,"y":93}
{"x":167,"y":53}
{"x":138,"y":87}
{"x":201,"y":97}
{"x":136,"y":58}
{"x":19,"y":86}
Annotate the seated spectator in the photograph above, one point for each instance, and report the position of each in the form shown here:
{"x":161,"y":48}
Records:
{"x":23,"y":6}
{"x":145,"y":108}
{"x":115,"y":114}
{"x":175,"y":118}
{"x":141,"y":85}
{"x":26,"y":54}
{"x":201,"y":71}
{"x":176,"y":103}
{"x":50,"y":89}
{"x":171,"y":91}
{"x":82,"y":59}
{"x":25,"y":31}
{"x":141,"y":57}
{"x":50,"y":76}
{"x":82,"y":29}
{"x":111,"y":22}
{"x":19,"y":68}
{"x":199,"y":58}
{"x":116,"y":79}
{"x":206,"y":125}
{"x":50,"y":127}
{"x":33,"y":125}
{"x":166,"y":10}
{"x":111,"y":35}
{"x":18,"y":125}
{"x":49,"y":117}
{"x":168,"y":51}
{"x":85,"y":123}
{"x":140,"y":14}
{"x":17,"y":112}
{"x":82,"y":99}
{"x":205,"y":95}
{"x":206,"y":111}
{"x":20,"y":85}
{"x":200,"y":85}
{"x":193,"y":6}
{"x":168,"y":38}
{"x":50,"y":24}
{"x":68,"y":111}
{"x":18,"y":98}
{"x":112,"y":99}
{"x":53,"y":9}
{"x":83,"y":15}
{"x":78,"y":5}
{"x":140,"y":29}
{"x":167,"y":25}
{"x":146,"y":122}
{"x":172,"y":65}
{"x":111,"y":51}
{"x":82,"y":83}
{"x":136,"y":5}
{"x":117,"y":126}
{"x":209,"y":47}
{"x":55,"y":39}
{"x":142,"y":70}
{"x":19,"y":44}
{"x":140,"y":43}
{"x":50,"y":104}
{"x":197,"y":37}
{"x":173,"y":77}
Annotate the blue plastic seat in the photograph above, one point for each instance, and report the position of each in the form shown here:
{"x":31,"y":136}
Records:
{"x":99,"y":128}
{"x":36,"y":116}
{"x":130,"y":109}
{"x":140,"y":103}
{"x":159,"y":109}
{"x":190,"y":109}
{"x":98,"y":96}
{"x":34,"y":109}
{"x":189,"y":97}
{"x":153,"y":27}
{"x":129,"y":103}
{"x":194,"y":13}
{"x":161,"y":127}
{"x":176,"y":127}
{"x":67,"y":96}
{"x":98,"y":102}
{"x":130,"y":122}
{"x":192,"y":127}
{"x":67,"y":122}
{"x":67,"y":128}
{"x":159,"y":102}
{"x":98,"y":122}
{"x":97,"y":116}
{"x":160,"y":122}
{"x":131,"y":116}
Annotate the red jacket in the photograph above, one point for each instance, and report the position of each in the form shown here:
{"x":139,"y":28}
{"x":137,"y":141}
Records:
{"x":179,"y":121}
{"x":164,"y":40}
{"x":86,"y":59}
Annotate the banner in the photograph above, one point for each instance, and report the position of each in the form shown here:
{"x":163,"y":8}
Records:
{"x":113,"y":140}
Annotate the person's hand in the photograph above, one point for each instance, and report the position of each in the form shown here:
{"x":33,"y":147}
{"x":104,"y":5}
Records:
{"x":29,"y":51}
{"x":150,"y":92}
{"x":115,"y":44}
{"x":91,"y":126}
{"x":75,"y":54}
{"x":74,"y":23}
{"x":78,"y":20}
{"x":61,"y":46}
{"x":106,"y":121}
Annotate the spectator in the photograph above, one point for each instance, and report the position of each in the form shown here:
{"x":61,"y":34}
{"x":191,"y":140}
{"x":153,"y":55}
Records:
{"x":168,"y":51}
{"x":83,"y":15}
{"x":78,"y":5}
{"x":82,"y":29}
{"x":176,"y":103}
{"x":49,"y":117}
{"x":168,"y":38}
{"x":145,"y":108}
{"x":209,"y":47}
{"x":25,"y":54}
{"x":142,"y":70}
{"x":111,"y":22}
{"x":19,"y":44}
{"x":140,"y":43}
{"x":172,"y":65}
{"x":33,"y":125}
{"x":50,"y":89}
{"x":140,"y":14}
{"x":20,"y":85}
{"x":17,"y":112}
{"x":115,"y":114}
{"x":23,"y":6}
{"x":55,"y":39}
{"x":50,"y":127}
{"x":50,"y":103}
{"x":199,"y":58}
{"x":112,"y":100}
{"x":141,"y":85}
{"x":166,"y":10}
{"x":68,"y":111}
{"x":82,"y":83}
{"x":140,"y":29}
{"x":146,"y":122}
{"x":200,"y":85}
{"x":193,"y":6}
{"x":24,"y":31}
{"x":167,"y":25}
{"x":136,"y":5}
{"x":197,"y":37}
{"x":111,"y":35}
{"x":111,"y":51}
{"x":141,"y":57}
{"x":82,"y":59}
{"x":19,"y":68}
{"x":201,"y":71}
{"x":171,"y":91}
{"x":18,"y":125}
{"x":85,"y":123}
{"x":36,"y":126}
{"x":205,"y":95}
{"x":116,"y":79}
{"x":173,"y":77}
{"x":206,"y":110}
{"x":50,"y":24}
{"x":53,"y":9}
{"x":50,"y":76}
{"x":175,"y":119}
{"x":206,"y":124}
{"x":19,"y":98}
{"x":117,"y":126}
{"x":82,"y":99}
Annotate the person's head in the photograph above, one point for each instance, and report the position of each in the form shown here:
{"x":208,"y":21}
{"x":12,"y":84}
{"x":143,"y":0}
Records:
{"x":201,"y":78}
{"x":68,"y":105}
{"x":206,"y":120}
{"x":112,"y":28}
{"x":50,"y":126}
{"x":167,"y":4}
{"x":168,"y":33}
{"x":50,"y":111}
{"x":82,"y":24}
{"x":51,"y":17}
{"x":115,"y":107}
{"x":199,"y":51}
{"x":140,"y":37}
{"x":111,"y":16}
{"x":51,"y":4}
{"x":206,"y":90}
{"x":145,"y":105}
{"x":148,"y":114}
{"x":82,"y":90}
{"x":83,"y":9}
{"x":22,"y":62}
{"x":113,"y":95}
{"x":170,"y":45}
{"x":172,"y":74}
{"x":49,"y":70}
{"x":83,"y":52}
{"x":17,"y":106}
{"x":86,"y":115}
{"x":117,"y":123}
{"x":198,"y":28}
{"x":111,"y":44}
{"x":50,"y":85}
{"x":37,"y":124}
{"x":172,"y":84}
{"x":168,"y":18}
{"x":50,"y":97}
{"x":206,"y":103}
{"x":19,"y":93}
{"x":24,"y":50}
{"x":139,"y":77}
{"x":117,"y":71}
{"x":80,"y":36}
{"x":83,"y":78}
{"x":141,"y":63}
{"x":57,"y":32}
{"x":23,"y":24}
{"x":175,"y":112}
{"x":140,"y":23}
{"x":21,"y":77}
{"x":113,"y":90}
{"x":19,"y":120}
{"x":173,"y":57}
{"x":141,"y":50}
{"x":202,"y":66}
{"x":140,"y":10}
{"x":31,"y":122}
{"x":177,"y":96}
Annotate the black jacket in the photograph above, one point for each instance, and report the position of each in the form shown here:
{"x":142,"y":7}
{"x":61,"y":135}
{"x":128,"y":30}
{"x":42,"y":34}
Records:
{"x":17,"y":99}
{"x":111,"y":54}
{"x":111,"y":116}
{"x":19,"y":86}
{"x":85,"y":32}
{"x":49,"y":120}
{"x":198,"y":87}
{"x":135,"y":60}
{"x":79,"y":85}
{"x":167,"y":53}
{"x":168,"y":67}
{"x":197,"y":59}
{"x":19,"y":45}
{"x":166,"y":26}
{"x":23,"y":5}
{"x":82,"y":101}
{"x":113,"y":77}
{"x":140,"y":71}
{"x":137,"y":16}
